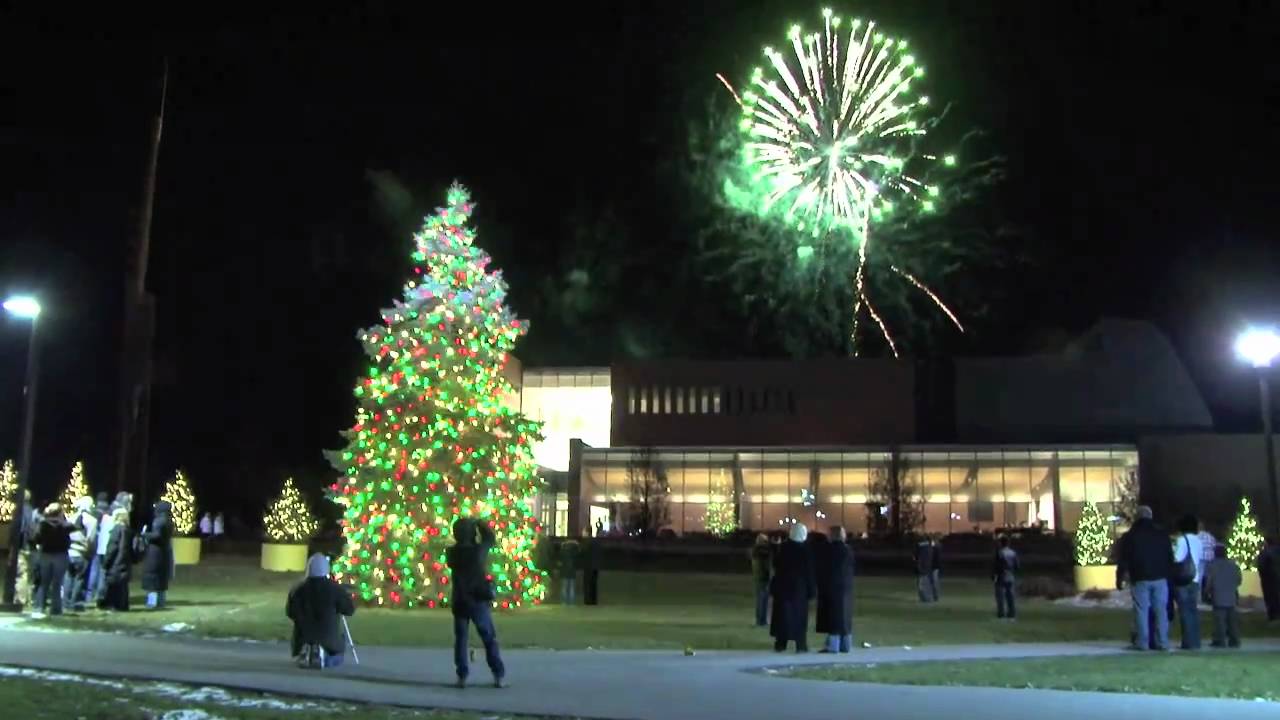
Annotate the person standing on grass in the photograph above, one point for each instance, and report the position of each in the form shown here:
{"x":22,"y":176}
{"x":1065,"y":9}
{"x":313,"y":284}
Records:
{"x":219,"y":526}
{"x":101,"y":513}
{"x":473,"y":598}
{"x":761,"y":571}
{"x":157,"y":561}
{"x":926,"y":570}
{"x":206,"y":526}
{"x":316,"y":606}
{"x":792,"y":587}
{"x":1269,"y":574}
{"x":84,"y":546}
{"x":1188,"y":564}
{"x":835,"y":593}
{"x":53,"y":539}
{"x":1145,"y":563}
{"x":1222,"y":589}
{"x":117,"y":563}
{"x":591,"y":573}
{"x":1004,"y":576}
{"x":567,"y":563}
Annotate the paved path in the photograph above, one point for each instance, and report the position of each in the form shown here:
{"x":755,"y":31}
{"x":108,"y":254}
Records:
{"x":614,"y":685}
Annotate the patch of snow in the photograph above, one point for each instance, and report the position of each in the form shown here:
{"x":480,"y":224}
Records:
{"x":6,"y":671}
{"x":178,"y":627}
{"x":219,"y":696}
{"x":187,"y":715}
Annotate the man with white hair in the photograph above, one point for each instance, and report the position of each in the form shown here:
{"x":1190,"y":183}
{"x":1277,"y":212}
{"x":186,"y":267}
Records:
{"x":792,"y":587}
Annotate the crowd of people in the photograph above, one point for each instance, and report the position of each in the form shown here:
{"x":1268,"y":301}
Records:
{"x":1169,"y":581}
{"x":83,"y":556}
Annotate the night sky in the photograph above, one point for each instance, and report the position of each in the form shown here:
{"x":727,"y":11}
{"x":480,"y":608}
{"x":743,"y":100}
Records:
{"x":302,"y":148}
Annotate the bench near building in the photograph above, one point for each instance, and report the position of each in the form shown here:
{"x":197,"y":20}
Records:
{"x":987,"y":443}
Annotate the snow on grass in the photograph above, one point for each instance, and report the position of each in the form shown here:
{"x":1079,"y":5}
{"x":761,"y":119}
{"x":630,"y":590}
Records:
{"x":181,"y":693}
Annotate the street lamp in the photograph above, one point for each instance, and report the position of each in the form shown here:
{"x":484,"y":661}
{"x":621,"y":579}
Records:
{"x":24,"y":307}
{"x":1260,"y":347}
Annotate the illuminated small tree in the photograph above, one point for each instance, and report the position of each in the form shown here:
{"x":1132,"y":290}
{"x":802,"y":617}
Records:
{"x":178,"y":493}
{"x":1245,"y":542}
{"x":649,"y":509}
{"x":77,"y":487}
{"x":8,"y":491}
{"x":289,"y":519}
{"x":722,"y":517}
{"x":1093,"y":539}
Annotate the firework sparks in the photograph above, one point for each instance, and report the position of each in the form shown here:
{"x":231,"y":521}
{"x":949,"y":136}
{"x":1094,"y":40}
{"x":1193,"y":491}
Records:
{"x":932,"y":295}
{"x":829,"y":140}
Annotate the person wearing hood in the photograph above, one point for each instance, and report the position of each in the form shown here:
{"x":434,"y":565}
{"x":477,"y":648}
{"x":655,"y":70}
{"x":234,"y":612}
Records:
{"x":315,"y":606}
{"x":473,"y":596}
{"x":117,"y":563}
{"x":792,"y":587}
{"x":157,"y":562}
{"x":53,"y":539}
{"x":84,"y":546}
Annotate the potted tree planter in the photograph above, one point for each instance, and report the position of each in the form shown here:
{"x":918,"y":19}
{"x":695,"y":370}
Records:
{"x":1093,"y":569}
{"x":178,"y":493}
{"x":290,"y":525}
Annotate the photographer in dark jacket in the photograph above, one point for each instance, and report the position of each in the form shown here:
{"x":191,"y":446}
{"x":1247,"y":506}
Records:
{"x":1145,"y":563}
{"x":472,"y":597}
{"x":53,"y":539}
{"x":157,"y":562}
{"x":315,"y":606}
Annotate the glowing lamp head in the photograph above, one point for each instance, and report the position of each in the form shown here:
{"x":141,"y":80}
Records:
{"x":1258,"y":346}
{"x":23,"y":306}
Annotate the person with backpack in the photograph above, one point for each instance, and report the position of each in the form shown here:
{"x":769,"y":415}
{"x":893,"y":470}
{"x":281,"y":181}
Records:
{"x":157,"y":559}
{"x":117,"y":563}
{"x":473,"y":596}
{"x":1004,"y":576}
{"x":84,"y":546}
{"x":1188,"y":572}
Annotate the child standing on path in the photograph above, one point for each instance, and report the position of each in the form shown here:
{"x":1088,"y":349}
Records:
{"x":1222,"y":590}
{"x":1003,"y":575}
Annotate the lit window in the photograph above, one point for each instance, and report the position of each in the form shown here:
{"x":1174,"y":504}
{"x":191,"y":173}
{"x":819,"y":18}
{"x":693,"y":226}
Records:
{"x":631,"y":401}
{"x":715,"y":400}
{"x":666,"y":400}
{"x":679,"y":401}
{"x":706,"y":400}
{"x":644,"y":401}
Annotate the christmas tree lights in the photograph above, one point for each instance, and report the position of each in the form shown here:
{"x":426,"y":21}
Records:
{"x":289,"y":519}
{"x":77,"y":487}
{"x":433,"y":439}
{"x":1093,"y":539}
{"x":8,"y":491}
{"x":178,"y":493}
{"x":721,"y":518}
{"x":1245,"y":542}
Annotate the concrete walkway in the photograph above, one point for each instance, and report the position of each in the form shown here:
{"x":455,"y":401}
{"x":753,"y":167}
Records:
{"x":615,"y":685}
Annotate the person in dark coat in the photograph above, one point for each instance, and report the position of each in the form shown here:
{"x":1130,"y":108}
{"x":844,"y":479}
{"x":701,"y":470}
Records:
{"x":835,"y":595}
{"x":567,"y":563}
{"x":473,"y":597}
{"x":117,"y":563}
{"x":792,"y":587}
{"x":927,"y":573}
{"x":53,"y":539}
{"x":819,"y":549}
{"x":316,"y":606}
{"x":1146,"y":564}
{"x":157,"y":562}
{"x":761,"y":570}
{"x":1269,"y":574}
{"x":591,"y":572}
{"x":1004,"y":577}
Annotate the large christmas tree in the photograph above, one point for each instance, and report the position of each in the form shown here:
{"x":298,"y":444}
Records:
{"x":433,"y":440}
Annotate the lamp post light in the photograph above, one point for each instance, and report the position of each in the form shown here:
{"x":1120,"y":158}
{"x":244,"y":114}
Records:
{"x":24,"y":307}
{"x":1260,"y":347}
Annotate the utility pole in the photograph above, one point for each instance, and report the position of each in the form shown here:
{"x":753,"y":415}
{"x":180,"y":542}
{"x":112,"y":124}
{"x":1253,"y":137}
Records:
{"x":139,"y":330}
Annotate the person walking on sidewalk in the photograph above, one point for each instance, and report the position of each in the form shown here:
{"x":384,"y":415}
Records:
{"x":1145,"y":564}
{"x":473,"y":596}
{"x":1004,"y":576}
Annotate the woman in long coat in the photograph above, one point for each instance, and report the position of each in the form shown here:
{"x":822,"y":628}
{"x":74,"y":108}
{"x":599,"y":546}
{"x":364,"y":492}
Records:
{"x":117,"y":563}
{"x":157,"y":563}
{"x":792,"y":588}
{"x":835,"y":593}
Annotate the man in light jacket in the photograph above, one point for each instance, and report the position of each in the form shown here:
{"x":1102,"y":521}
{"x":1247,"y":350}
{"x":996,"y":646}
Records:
{"x":84,"y":545}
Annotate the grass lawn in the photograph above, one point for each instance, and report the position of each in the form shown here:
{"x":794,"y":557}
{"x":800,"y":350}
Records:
{"x":232,"y":597}
{"x":57,"y":696}
{"x":1216,"y":673}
